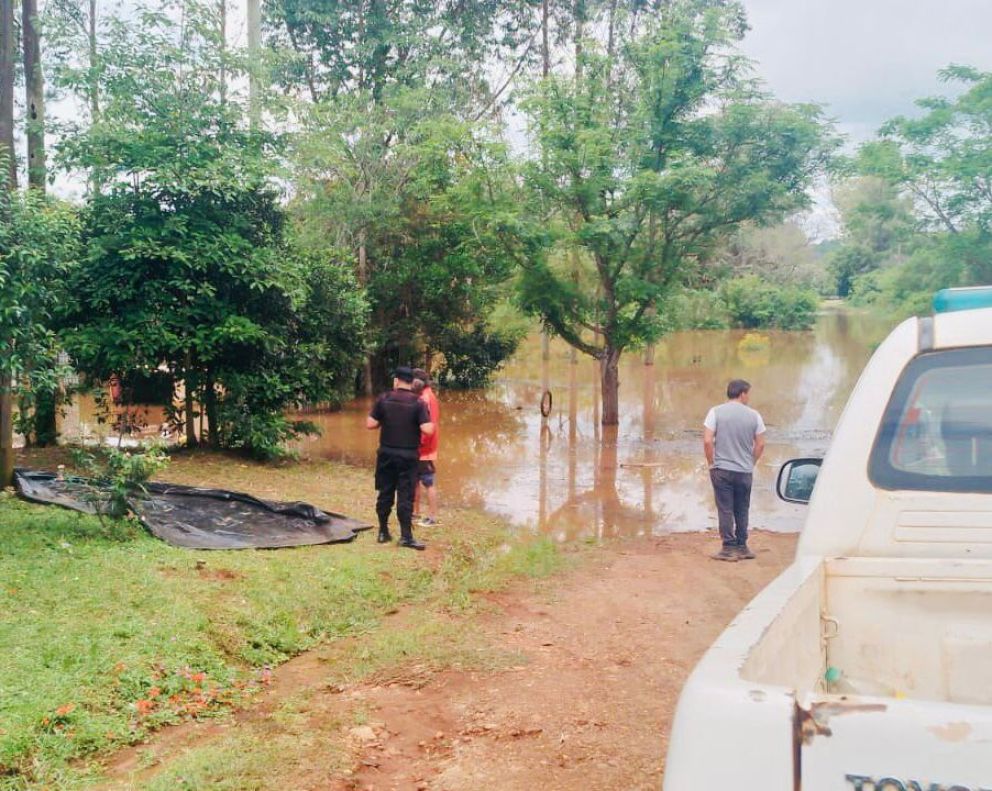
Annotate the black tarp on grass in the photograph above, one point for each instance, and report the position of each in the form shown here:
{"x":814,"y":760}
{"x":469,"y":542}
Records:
{"x":194,"y":518}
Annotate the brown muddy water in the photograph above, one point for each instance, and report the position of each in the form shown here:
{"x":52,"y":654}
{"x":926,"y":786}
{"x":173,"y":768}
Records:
{"x":568,"y":477}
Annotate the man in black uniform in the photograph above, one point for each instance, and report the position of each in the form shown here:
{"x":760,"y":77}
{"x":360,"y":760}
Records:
{"x":400,"y":416}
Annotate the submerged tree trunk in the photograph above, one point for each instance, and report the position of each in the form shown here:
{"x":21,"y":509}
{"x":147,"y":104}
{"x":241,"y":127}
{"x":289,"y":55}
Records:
{"x":609,"y":367}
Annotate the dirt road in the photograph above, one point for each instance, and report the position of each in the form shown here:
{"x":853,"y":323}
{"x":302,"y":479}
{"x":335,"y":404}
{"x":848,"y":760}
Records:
{"x":600,"y":654}
{"x":606,"y":652}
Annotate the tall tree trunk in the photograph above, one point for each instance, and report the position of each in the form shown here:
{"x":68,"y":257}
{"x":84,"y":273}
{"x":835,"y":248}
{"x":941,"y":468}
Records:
{"x":210,"y":407}
{"x":609,"y":367}
{"x":545,"y":70}
{"x":94,"y":81}
{"x":545,"y":47}
{"x":34,"y":94}
{"x":222,"y":34}
{"x":45,"y":429}
{"x":93,"y":84}
{"x":363,"y":279}
{"x":6,"y":431}
{"x":7,"y":56}
{"x":254,"y":50}
{"x":189,"y":388}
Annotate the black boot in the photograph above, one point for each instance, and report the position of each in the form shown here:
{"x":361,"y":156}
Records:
{"x":407,"y":540}
{"x":384,"y":535}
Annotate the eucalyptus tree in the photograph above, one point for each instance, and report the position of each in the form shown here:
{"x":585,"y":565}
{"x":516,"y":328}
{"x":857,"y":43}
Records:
{"x":652,"y":152}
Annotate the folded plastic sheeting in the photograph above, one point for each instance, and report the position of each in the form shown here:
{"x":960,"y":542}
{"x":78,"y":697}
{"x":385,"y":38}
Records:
{"x":195,"y":518}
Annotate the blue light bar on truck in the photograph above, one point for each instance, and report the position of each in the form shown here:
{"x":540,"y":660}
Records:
{"x":951,"y":299}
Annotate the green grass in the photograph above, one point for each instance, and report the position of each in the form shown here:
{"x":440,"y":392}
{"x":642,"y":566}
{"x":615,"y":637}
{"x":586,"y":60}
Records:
{"x":109,"y":633}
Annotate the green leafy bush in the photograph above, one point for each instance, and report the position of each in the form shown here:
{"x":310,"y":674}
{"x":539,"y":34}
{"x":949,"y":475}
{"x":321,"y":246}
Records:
{"x":751,"y":302}
{"x":471,"y":357}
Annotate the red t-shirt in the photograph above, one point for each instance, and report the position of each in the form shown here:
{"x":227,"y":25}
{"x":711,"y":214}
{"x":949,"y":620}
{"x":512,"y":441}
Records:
{"x":428,"y":445}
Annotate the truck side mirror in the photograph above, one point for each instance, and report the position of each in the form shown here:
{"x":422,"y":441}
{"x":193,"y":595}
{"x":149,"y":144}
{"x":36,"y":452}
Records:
{"x":796,"y":479}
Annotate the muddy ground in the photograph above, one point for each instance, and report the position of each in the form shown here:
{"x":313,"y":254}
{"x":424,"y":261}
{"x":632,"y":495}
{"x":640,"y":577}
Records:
{"x":600,"y":654}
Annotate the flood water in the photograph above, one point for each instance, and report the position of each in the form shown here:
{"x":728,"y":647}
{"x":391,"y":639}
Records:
{"x":568,"y":477}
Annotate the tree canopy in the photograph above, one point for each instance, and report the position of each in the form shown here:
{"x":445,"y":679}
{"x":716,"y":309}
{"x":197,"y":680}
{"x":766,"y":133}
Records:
{"x":647,"y":158}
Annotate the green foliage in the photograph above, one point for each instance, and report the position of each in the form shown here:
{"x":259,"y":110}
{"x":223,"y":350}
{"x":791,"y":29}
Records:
{"x":118,"y":477}
{"x":697,"y":309}
{"x":418,"y":198}
{"x":648,"y":159}
{"x":335,"y":47}
{"x":751,"y":302}
{"x":472,"y":357}
{"x":39,"y":248}
{"x":938,"y":165}
{"x":187,"y":264}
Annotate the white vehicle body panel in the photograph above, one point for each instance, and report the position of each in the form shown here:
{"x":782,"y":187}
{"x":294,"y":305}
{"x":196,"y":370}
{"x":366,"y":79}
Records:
{"x":895,"y":587}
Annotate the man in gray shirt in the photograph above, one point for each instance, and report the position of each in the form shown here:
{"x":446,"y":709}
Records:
{"x":733,"y":441}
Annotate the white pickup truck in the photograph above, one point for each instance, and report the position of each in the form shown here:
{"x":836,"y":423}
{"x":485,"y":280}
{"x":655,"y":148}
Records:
{"x":867,"y":664}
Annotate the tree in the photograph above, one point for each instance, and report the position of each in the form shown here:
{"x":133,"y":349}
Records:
{"x":423,"y":215}
{"x":8,"y":183}
{"x":878,"y":229}
{"x":38,"y":249}
{"x":649,"y":157}
{"x":188,"y":268}
{"x":925,"y":220}
{"x":396,"y":92}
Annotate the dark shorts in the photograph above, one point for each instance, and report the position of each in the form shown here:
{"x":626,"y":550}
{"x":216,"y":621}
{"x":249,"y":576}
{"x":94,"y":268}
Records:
{"x":426,"y":472}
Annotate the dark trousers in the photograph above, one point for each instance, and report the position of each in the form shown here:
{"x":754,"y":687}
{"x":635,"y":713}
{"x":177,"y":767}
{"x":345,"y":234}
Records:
{"x":732,"y":491}
{"x":395,"y":478}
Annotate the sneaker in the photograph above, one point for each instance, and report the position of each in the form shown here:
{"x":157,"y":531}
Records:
{"x":412,"y":543}
{"x":428,"y":522}
{"x":384,"y":537}
{"x":744,"y":553}
{"x":728,"y":554}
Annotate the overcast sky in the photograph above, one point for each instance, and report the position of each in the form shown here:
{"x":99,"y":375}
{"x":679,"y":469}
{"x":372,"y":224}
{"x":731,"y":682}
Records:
{"x":865,"y":60}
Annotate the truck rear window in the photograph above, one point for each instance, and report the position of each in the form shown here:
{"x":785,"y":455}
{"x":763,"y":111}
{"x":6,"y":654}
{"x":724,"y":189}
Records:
{"x":936,"y":434}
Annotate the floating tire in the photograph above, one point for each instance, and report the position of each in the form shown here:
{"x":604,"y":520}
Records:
{"x":546,"y":402}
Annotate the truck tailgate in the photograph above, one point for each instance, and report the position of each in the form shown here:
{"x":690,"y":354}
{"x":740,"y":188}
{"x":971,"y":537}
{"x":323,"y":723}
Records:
{"x":870,"y":744}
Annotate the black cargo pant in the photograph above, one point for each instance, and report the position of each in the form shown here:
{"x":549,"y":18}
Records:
{"x":395,"y":477}
{"x":732,"y":491}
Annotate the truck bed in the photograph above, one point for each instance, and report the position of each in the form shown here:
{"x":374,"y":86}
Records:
{"x":892,"y":627}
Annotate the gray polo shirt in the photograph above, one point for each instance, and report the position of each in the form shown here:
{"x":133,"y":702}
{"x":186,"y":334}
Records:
{"x":735,"y":425}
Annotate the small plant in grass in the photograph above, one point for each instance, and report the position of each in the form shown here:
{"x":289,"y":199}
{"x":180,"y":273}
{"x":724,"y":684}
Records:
{"x":118,"y":477}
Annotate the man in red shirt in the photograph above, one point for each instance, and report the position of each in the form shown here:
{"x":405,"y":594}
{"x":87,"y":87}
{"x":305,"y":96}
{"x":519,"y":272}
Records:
{"x":427,"y":468}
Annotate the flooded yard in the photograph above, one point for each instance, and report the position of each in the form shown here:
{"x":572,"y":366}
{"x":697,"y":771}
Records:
{"x":569,"y":477}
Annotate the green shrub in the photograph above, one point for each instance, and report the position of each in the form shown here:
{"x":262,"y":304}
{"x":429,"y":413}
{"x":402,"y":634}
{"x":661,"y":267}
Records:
{"x":118,"y":477}
{"x":697,"y":310}
{"x":752,"y":303}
